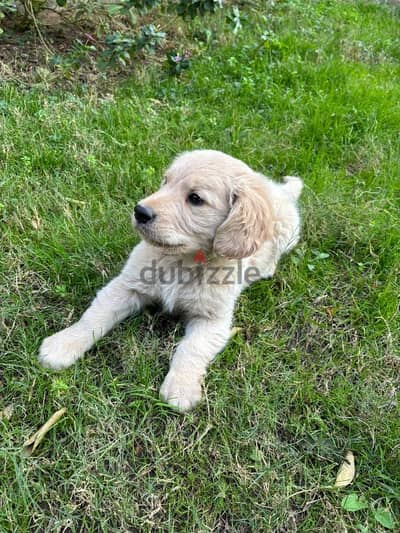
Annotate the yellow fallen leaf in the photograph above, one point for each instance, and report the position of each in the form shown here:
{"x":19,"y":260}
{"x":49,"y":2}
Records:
{"x":346,"y":471}
{"x":235,"y":331}
{"x":33,"y":442}
{"x":7,"y":412}
{"x":36,"y":223}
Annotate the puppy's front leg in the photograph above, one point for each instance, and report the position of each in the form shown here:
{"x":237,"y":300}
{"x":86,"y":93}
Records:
{"x":112,"y":304}
{"x":202,"y":341}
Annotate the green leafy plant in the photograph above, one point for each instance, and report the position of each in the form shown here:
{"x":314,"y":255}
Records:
{"x":384,"y":518}
{"x":271,"y":44}
{"x":69,"y":62}
{"x":193,"y":8}
{"x":149,"y":38}
{"x":354,"y":502}
{"x":139,"y":5}
{"x":5,"y":9}
{"x":178,"y":61}
{"x":119,"y":35}
{"x":120,"y":48}
{"x":235,"y":19}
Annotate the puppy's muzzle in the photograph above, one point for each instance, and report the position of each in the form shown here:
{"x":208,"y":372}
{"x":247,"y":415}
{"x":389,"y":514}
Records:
{"x":144,"y":214}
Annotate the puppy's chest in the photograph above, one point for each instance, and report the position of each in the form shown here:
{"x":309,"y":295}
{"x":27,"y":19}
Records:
{"x":189,"y":290}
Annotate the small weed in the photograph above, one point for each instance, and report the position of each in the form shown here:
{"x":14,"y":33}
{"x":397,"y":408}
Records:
{"x":178,"y":61}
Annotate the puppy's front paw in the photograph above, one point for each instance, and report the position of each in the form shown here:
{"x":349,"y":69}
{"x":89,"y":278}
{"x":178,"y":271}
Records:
{"x":62,"y":349}
{"x":181,"y":390}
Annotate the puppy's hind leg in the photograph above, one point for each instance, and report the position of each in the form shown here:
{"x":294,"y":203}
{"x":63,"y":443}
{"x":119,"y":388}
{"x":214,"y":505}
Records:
{"x":113,"y":303}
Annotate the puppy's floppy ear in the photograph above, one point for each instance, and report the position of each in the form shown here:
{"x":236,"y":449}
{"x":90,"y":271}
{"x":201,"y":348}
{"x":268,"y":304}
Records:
{"x":249,"y":222}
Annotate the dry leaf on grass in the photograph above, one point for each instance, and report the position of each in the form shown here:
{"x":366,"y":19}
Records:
{"x":36,"y":223}
{"x":346,"y":471}
{"x":235,"y":331}
{"x":33,"y":442}
{"x":7,"y":412}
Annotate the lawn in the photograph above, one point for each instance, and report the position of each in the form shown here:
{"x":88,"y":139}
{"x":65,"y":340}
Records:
{"x":308,"y":88}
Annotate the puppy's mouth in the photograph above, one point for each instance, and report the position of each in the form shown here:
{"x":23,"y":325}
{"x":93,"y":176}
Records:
{"x":154,"y":241}
{"x":162,"y":244}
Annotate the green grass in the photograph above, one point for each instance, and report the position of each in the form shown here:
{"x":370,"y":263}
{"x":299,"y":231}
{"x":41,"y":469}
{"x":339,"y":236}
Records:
{"x":315,"y":371}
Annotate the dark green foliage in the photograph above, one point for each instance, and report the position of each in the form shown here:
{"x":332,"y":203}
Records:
{"x":122,"y":47}
{"x":178,"y":61}
{"x":140,"y":5}
{"x":110,"y":47}
{"x":192,"y":8}
{"x":6,"y":8}
{"x":235,"y":18}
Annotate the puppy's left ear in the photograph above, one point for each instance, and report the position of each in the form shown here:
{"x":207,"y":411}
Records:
{"x":249,"y":222}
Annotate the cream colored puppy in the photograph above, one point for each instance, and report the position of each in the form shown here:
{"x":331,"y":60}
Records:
{"x":212,"y":228}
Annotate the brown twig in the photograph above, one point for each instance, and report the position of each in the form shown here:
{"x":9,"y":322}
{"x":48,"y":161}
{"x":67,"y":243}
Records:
{"x":29,"y":7}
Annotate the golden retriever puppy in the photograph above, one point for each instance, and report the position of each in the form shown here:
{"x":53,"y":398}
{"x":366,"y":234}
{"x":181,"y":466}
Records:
{"x":212,"y":228}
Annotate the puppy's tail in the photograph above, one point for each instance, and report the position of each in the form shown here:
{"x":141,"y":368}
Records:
{"x":293,"y":186}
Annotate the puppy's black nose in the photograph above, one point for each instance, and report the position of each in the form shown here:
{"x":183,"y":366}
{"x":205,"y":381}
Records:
{"x":144,"y":214}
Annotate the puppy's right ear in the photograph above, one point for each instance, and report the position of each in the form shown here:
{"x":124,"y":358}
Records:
{"x":249,"y":222}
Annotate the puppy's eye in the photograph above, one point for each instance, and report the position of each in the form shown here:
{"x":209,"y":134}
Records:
{"x":195,"y":199}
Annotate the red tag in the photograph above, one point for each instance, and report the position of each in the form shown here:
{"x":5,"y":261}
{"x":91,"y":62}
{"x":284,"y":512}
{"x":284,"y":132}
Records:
{"x":200,"y":257}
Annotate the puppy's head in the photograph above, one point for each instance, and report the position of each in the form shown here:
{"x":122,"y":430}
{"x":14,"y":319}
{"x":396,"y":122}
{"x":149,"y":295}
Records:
{"x":207,"y":201}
